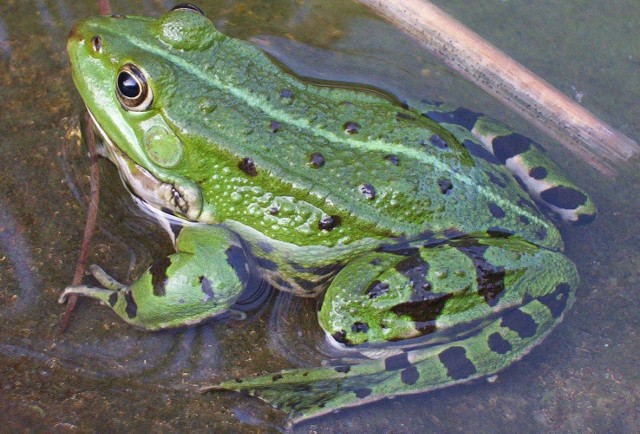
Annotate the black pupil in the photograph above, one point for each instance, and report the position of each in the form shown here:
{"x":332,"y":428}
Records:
{"x":128,"y":85}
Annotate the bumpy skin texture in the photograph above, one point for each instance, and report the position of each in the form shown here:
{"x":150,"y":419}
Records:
{"x":413,"y":220}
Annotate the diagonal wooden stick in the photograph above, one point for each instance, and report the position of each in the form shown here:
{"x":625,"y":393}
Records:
{"x":474,"y":58}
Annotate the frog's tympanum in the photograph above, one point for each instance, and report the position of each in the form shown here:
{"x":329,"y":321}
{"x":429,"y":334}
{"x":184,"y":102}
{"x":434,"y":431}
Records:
{"x":405,"y":221}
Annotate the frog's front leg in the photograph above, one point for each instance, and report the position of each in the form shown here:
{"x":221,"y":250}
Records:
{"x":485,"y":302}
{"x":203,"y":278}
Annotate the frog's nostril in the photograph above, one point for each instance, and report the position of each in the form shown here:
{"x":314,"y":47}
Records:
{"x":96,"y":42}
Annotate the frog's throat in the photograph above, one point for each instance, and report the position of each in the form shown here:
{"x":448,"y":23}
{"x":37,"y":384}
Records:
{"x":178,"y":200}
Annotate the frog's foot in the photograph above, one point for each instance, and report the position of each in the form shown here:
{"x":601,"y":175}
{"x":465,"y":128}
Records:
{"x":111,"y":287}
{"x":485,"y":302}
{"x":521,"y":156}
{"x":204,"y":278}
{"x":541,"y":177}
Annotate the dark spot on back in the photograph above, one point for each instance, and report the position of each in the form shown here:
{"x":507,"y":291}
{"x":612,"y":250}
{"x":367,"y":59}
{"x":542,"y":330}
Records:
{"x":445,"y":185}
{"x":399,"y":361}
{"x":316,"y":160}
{"x":286,"y":93}
{"x":393,"y":159}
{"x":498,"y":344}
{"x":131,"y":307}
{"x":274,"y":210}
{"x":343,"y":369}
{"x":556,"y":301}
{"x":368,"y":191}
{"x":351,"y":127}
{"x":437,"y":141}
{"x":496,"y":211}
{"x":505,"y":147}
{"x":461,"y":116}
{"x":564,"y":197}
{"x":410,"y":375}
{"x":328,"y":222}
{"x":538,"y":172}
{"x":159,"y":276}
{"x":248,"y":166}
{"x":541,"y":234}
{"x":519,"y":322}
{"x":276,"y":377}
{"x":458,"y":365}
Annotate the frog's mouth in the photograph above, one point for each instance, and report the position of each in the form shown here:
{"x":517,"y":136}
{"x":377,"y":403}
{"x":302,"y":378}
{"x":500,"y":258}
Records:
{"x":181,"y":202}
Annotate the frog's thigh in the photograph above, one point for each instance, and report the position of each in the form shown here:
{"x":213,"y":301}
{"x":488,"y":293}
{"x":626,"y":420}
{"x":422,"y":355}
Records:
{"x":203,"y":278}
{"x":459,"y":286}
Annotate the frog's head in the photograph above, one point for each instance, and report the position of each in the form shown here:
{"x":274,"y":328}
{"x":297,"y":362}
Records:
{"x":125,"y":70}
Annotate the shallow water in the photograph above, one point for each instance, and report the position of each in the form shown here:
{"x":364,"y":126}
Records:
{"x":103,"y":375}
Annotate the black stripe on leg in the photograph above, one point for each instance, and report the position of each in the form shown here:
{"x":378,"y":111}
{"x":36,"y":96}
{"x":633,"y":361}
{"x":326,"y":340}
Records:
{"x":520,"y":322}
{"x":505,"y":147}
{"x":564,"y":197}
{"x":498,"y":344}
{"x":556,"y":302}
{"x":458,"y":365}
{"x":159,"y":276}
{"x":132,"y":307}
{"x":399,"y":361}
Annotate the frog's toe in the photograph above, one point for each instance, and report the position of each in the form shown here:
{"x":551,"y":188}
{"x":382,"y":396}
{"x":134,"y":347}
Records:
{"x":101,"y":294}
{"x":105,"y":279}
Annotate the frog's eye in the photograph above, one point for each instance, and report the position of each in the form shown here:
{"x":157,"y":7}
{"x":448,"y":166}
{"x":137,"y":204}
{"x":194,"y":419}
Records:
{"x":188,"y":7}
{"x":132,"y":89}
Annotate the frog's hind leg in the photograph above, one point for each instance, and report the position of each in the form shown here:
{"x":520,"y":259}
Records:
{"x":486,"y":303}
{"x":523,"y":157}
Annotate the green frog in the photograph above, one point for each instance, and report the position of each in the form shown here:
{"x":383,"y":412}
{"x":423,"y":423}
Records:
{"x":405,"y":219}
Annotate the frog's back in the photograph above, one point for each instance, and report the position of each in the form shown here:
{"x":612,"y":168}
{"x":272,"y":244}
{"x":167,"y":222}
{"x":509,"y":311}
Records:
{"x":323,"y":165}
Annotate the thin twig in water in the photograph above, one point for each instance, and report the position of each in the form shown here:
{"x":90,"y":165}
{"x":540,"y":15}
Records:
{"x":89,"y":228}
